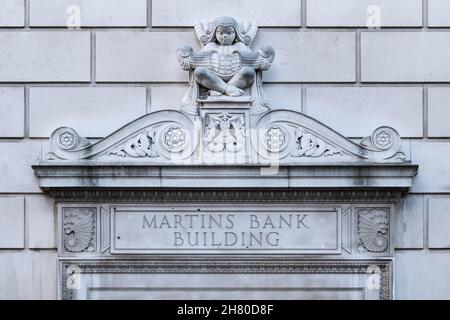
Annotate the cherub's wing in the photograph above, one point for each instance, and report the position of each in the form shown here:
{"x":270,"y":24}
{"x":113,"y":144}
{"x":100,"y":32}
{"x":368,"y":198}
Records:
{"x":203,"y":31}
{"x":248,"y":31}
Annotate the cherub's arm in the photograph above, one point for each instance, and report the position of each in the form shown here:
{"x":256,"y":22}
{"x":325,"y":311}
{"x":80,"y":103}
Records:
{"x":189,"y":59}
{"x":183,"y":57}
{"x":261,"y":59}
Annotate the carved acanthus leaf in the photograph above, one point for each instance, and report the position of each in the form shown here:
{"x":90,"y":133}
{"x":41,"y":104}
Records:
{"x":140,"y":146}
{"x":308,"y":145}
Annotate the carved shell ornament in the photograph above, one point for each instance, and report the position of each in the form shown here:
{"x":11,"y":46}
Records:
{"x":79,"y":231}
{"x":373,"y":227}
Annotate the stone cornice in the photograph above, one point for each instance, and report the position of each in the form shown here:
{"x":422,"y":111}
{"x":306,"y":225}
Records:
{"x":89,"y":175}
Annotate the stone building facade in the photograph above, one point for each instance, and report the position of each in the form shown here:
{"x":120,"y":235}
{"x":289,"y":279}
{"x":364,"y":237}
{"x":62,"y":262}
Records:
{"x":354,"y":65}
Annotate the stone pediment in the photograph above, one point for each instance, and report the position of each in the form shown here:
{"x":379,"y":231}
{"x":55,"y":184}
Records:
{"x":226,"y":135}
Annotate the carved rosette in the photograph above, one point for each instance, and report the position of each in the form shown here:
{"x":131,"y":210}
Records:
{"x":68,"y":139}
{"x":373,"y":230}
{"x":79,"y":229}
{"x":383,"y":138}
{"x":276,"y":139}
{"x":173,"y":139}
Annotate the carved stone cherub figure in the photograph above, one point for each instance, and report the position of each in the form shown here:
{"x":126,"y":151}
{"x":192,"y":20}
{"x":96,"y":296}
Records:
{"x":225,"y":66}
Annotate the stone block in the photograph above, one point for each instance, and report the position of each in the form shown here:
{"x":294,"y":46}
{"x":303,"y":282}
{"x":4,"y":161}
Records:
{"x":28,"y":275}
{"x":363,"y":13}
{"x":92,"y":111}
{"x":12,"y":223}
{"x":12,"y":13}
{"x":357,"y":112}
{"x":438,"y":13}
{"x":286,"y":96}
{"x":438,"y":112}
{"x":15,"y":166}
{"x":141,"y":56}
{"x":88,"y":13}
{"x":41,"y":221}
{"x":422,"y":275}
{"x":169,"y":13}
{"x":409,"y":223}
{"x":167,"y":96}
{"x":439,"y":223}
{"x":12,"y":109}
{"x":45,"y":56}
{"x":433,"y":167}
{"x":300,"y":56}
{"x":405,"y":57}
{"x":310,"y":56}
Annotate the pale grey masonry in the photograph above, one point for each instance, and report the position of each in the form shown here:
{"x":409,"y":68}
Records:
{"x":367,"y":109}
{"x":280,"y":96}
{"x":28,"y":274}
{"x":131,"y":56}
{"x":98,"y":13}
{"x":169,"y":13}
{"x":364,"y":13}
{"x":311,"y":56}
{"x":12,"y":13}
{"x":438,"y":223}
{"x":409,"y":223}
{"x":12,"y":226}
{"x":57,"y":56}
{"x":41,"y":224}
{"x":17,"y":175}
{"x":424,"y":270}
{"x":439,"y":112}
{"x":438,"y":13}
{"x":433,"y":177}
{"x":12,"y":103}
{"x":95,"y":111}
{"x":388,"y":57}
{"x":122,"y":64}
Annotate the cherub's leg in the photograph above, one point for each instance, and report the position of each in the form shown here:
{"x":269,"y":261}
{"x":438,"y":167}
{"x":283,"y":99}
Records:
{"x":213,"y":82}
{"x":243,"y":78}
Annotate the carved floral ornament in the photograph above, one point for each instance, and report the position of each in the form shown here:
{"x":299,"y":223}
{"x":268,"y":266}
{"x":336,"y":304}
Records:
{"x":226,"y":112}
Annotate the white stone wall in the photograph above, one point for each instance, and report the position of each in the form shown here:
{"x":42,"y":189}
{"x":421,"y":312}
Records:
{"x":121,"y":64}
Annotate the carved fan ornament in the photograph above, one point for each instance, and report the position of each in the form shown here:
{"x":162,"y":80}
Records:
{"x":79,"y":227}
{"x":373,"y":229}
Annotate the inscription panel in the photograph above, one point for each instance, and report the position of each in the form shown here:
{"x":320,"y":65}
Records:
{"x":183,"y":228}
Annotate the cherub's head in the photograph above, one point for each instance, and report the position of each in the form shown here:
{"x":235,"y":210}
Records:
{"x":225,"y":31}
{"x":225,"y":35}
